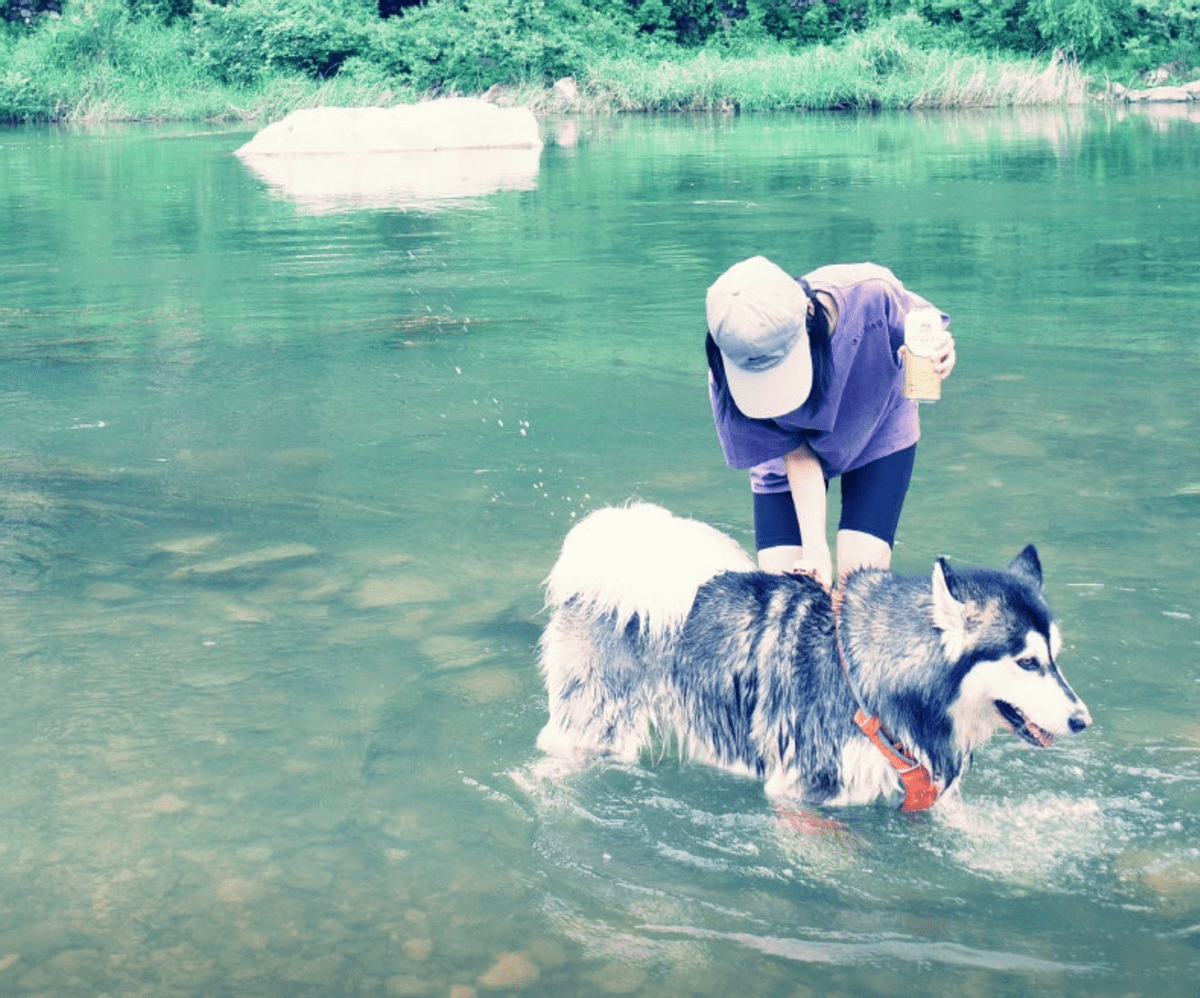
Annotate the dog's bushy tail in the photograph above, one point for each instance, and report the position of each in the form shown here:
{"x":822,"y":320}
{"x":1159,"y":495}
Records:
{"x":619,"y":593}
{"x":640,"y":560}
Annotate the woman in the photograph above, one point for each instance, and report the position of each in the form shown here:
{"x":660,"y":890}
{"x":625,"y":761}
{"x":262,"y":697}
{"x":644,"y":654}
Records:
{"x":806,"y":384}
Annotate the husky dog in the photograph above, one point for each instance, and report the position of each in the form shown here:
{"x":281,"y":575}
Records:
{"x":663,"y":627}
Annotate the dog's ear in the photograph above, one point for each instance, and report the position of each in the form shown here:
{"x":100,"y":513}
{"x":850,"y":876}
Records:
{"x":948,"y":612}
{"x":952,"y":616}
{"x":1028,"y":566}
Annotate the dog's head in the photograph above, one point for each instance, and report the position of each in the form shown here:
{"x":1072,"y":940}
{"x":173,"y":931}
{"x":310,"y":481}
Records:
{"x":997,"y":626}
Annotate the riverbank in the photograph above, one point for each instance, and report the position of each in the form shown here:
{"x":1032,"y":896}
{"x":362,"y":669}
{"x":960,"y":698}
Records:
{"x":857,"y":78}
{"x":148,"y":72}
{"x":101,"y":64}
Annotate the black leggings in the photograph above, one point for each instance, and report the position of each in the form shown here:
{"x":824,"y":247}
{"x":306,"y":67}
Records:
{"x":872,"y":497}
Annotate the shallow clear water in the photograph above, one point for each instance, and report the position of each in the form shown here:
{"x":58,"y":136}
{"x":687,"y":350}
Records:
{"x":279,"y":486}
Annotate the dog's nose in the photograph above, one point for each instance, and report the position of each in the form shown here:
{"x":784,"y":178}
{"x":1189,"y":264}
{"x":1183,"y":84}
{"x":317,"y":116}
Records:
{"x":1079,"y":721}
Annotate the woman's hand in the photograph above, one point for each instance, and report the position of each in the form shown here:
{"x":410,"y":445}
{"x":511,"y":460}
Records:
{"x":944,"y":357}
{"x":815,"y":560}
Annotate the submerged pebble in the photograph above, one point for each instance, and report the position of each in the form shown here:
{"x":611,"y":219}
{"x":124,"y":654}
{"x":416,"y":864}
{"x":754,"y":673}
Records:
{"x":112,"y":592}
{"x":450,"y":652}
{"x":405,"y":985}
{"x":237,"y":891}
{"x":242,"y":614}
{"x":168,"y":804}
{"x":1173,"y":877}
{"x":188,"y":545}
{"x":382,"y":591}
{"x":250,"y":559}
{"x":619,"y":979}
{"x":511,"y":970}
{"x":488,"y":685}
{"x":418,"y":949}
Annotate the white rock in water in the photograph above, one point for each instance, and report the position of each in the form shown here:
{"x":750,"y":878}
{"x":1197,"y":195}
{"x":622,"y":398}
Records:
{"x":453,"y":123}
{"x":414,"y":156}
{"x":1159,"y":95}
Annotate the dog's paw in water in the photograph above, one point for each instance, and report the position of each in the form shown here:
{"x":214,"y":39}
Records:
{"x":813,"y":824}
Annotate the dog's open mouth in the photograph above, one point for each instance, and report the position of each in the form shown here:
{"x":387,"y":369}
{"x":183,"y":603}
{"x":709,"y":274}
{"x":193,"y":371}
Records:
{"x":1023,"y":726}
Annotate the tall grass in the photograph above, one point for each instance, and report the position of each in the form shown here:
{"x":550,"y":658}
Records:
{"x":872,"y":70}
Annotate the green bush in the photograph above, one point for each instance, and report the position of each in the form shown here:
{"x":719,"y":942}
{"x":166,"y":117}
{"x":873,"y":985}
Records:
{"x":468,"y":45}
{"x":242,"y":42}
{"x":1168,"y":32}
{"x":1089,"y":29}
{"x":1082,"y":27}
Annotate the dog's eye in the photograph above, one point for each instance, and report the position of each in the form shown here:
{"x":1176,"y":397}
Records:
{"x":1029,"y":664}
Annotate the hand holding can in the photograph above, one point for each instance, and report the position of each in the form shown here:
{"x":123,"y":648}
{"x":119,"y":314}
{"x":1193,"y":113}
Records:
{"x":924,"y":332}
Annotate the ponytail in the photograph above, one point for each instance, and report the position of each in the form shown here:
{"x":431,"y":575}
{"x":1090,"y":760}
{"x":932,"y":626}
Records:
{"x":820,"y":347}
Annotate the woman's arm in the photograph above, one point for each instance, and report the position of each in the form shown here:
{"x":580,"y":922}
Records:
{"x":807,"y":482}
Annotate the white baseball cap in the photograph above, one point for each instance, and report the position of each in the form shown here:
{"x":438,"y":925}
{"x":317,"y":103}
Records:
{"x":757,"y":316}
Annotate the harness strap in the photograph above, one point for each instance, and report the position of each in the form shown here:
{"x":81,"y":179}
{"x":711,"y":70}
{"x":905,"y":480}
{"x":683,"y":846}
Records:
{"x":920,"y":792}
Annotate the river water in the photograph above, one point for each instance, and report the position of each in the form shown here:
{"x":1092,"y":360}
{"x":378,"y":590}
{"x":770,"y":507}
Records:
{"x":281,"y":473}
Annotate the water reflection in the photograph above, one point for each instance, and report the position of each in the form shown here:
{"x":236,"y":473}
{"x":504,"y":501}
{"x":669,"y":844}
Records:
{"x":404,"y":181}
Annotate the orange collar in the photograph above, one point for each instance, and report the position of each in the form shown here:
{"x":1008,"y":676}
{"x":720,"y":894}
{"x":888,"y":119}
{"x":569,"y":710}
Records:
{"x":920,"y":792}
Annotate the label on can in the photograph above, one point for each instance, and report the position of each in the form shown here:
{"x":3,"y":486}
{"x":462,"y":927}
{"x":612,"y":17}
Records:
{"x":923,"y":331}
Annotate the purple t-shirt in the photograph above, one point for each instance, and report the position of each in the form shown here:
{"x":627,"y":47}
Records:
{"x":864,"y":415}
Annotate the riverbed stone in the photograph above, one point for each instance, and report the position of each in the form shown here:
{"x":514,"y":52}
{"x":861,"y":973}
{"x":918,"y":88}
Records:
{"x":258,"y":558}
{"x":236,"y":891}
{"x":168,"y":803}
{"x":619,"y":979}
{"x":405,"y":986}
{"x":488,"y":685}
{"x":112,"y":592}
{"x":383,"y":591}
{"x":567,"y":90}
{"x":511,"y":970}
{"x":188,"y":545}
{"x":1159,"y":95}
{"x":418,"y":949}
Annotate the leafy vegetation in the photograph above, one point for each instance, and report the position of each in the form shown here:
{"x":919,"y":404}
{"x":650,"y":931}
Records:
{"x":89,"y":59}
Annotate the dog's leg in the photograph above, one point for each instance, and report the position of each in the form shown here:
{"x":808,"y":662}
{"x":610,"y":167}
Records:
{"x":811,"y":823}
{"x":597,"y":690}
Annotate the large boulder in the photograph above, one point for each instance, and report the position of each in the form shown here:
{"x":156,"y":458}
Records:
{"x":453,"y":123}
{"x":412,"y":156}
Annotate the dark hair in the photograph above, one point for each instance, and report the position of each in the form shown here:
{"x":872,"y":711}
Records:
{"x":820,"y":347}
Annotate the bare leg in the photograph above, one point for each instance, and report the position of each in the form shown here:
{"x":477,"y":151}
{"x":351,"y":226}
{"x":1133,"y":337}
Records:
{"x":857,"y":550}
{"x":778,"y":559}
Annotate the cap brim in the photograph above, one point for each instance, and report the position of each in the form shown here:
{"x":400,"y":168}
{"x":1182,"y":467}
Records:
{"x":776,"y":391}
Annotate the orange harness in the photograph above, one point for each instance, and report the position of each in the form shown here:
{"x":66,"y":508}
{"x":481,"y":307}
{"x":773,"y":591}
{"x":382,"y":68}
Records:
{"x":919,"y":789}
